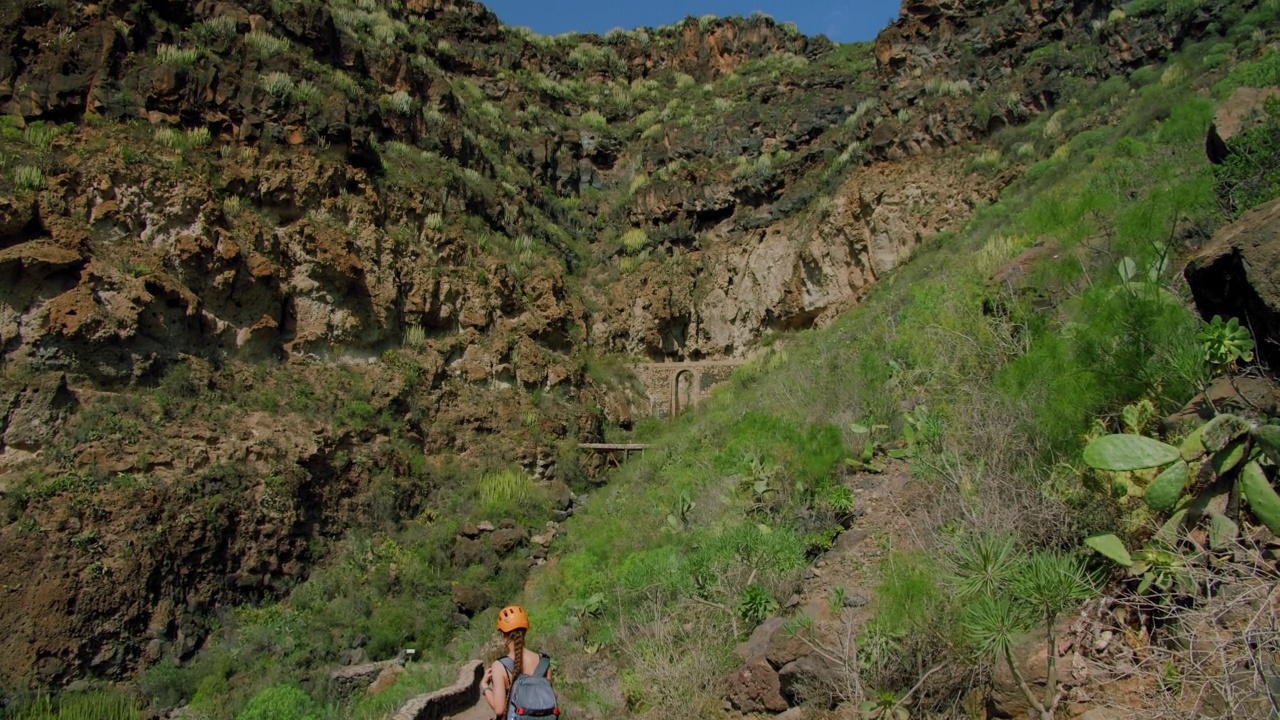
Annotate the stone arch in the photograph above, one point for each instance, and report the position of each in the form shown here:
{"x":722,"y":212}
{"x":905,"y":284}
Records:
{"x":684,"y":390}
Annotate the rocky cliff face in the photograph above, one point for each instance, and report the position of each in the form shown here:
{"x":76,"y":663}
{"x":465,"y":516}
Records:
{"x":431,"y":221}
{"x":303,"y":220}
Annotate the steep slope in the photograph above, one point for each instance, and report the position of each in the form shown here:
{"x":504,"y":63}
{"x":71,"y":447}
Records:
{"x":194,"y":193}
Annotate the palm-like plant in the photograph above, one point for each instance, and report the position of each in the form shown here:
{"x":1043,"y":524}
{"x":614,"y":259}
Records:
{"x":982,"y":565}
{"x":1008,"y":593}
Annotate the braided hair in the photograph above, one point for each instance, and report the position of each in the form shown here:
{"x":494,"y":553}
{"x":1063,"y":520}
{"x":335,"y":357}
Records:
{"x":516,"y":637}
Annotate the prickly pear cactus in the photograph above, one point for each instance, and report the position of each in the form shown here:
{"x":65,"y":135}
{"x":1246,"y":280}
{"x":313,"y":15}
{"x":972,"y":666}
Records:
{"x":1220,"y":431}
{"x":1128,"y":452}
{"x":1262,"y":498}
{"x":1163,"y":492}
{"x":1223,"y":452}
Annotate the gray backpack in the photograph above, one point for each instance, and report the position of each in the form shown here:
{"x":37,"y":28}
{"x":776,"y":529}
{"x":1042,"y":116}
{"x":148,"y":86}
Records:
{"x":531,"y":695}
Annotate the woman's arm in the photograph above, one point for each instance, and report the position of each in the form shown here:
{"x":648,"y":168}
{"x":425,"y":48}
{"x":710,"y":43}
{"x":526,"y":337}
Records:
{"x":494,"y":688}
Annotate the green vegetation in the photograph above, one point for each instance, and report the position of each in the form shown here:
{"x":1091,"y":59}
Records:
{"x":264,"y":44}
{"x":173,"y":55}
{"x":1250,"y":174}
{"x":1007,"y":594}
{"x":281,"y":702}
{"x":77,"y":706}
{"x":27,"y":177}
{"x":999,"y":389}
{"x":1013,"y":391}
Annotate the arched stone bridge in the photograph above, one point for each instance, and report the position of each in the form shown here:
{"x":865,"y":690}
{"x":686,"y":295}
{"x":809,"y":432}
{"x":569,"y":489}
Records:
{"x":674,"y":386}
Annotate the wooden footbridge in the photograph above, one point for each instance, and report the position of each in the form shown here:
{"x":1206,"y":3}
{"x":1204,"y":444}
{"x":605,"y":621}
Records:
{"x":612,"y":451}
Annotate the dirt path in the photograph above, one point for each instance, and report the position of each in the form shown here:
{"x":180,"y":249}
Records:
{"x":890,"y":502}
{"x":480,"y":712}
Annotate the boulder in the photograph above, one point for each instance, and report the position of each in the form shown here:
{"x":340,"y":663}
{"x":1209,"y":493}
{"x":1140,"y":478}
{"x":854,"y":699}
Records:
{"x":1235,"y":276}
{"x":508,"y":539}
{"x":8,"y":398}
{"x":755,"y":687}
{"x":1006,"y":699}
{"x":36,"y":412}
{"x":1245,"y":108}
{"x":772,"y":640}
{"x":548,"y":535}
{"x":344,"y":682}
{"x":561,"y":495}
{"x":469,"y":599}
{"x":809,"y":677}
{"x":387,"y":678}
{"x":1240,"y":395}
{"x":467,"y":552}
{"x":759,"y":640}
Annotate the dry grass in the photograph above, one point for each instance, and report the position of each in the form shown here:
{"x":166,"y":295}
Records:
{"x":1213,"y":654}
{"x":673,"y":675}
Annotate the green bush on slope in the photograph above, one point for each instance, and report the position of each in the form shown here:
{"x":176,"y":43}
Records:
{"x":281,"y":702}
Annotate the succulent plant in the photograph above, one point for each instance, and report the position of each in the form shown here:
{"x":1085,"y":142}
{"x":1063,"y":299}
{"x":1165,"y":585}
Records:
{"x":1226,"y":450}
{"x":1224,"y":343}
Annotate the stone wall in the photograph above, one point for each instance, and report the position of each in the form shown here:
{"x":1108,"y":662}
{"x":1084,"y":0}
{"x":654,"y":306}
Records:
{"x":455,"y":699}
{"x":676,"y":386}
{"x":347,"y":681}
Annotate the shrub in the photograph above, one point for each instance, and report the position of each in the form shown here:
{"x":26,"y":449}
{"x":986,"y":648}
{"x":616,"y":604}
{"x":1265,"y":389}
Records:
{"x":199,"y":137}
{"x":909,"y":597}
{"x":595,"y":120}
{"x":222,"y":27}
{"x":634,"y":240}
{"x":1007,"y":593}
{"x":1263,"y":72}
{"x":40,"y":135}
{"x":511,"y":493}
{"x":278,"y":85}
{"x":1250,"y":175}
{"x":948,"y":88}
{"x":78,"y":706}
{"x":173,"y":55}
{"x":399,"y":101}
{"x":306,"y":93}
{"x":987,"y":161}
{"x":169,"y":137}
{"x":27,"y":177}
{"x":264,"y":44}
{"x":281,"y":702}
{"x":415,"y":337}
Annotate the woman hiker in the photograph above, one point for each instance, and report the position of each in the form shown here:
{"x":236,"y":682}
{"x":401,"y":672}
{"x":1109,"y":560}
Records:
{"x":519,"y":684}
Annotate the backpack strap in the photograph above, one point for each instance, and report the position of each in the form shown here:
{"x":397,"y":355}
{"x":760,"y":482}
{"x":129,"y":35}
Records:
{"x":544,"y":665}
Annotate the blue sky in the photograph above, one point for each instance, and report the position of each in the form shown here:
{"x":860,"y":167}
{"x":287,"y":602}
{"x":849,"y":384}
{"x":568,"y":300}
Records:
{"x":840,"y":20}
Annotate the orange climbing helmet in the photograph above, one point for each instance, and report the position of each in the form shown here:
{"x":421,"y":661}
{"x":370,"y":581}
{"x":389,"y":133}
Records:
{"x":511,"y":618}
